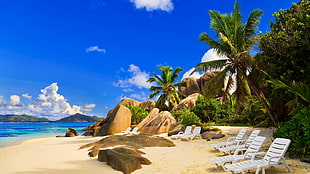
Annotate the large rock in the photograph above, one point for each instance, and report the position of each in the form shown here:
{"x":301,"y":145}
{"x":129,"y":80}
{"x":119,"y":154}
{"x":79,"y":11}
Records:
{"x":71,"y":133}
{"x":206,"y":77}
{"x":118,"y":120}
{"x":128,"y":101}
{"x":189,"y":102}
{"x":136,"y":141}
{"x":147,"y":105}
{"x":192,"y":86}
{"x":153,"y":114}
{"x":162,"y":123}
{"x":125,"y":159}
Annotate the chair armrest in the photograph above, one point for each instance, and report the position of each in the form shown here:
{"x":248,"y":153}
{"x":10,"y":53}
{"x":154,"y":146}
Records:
{"x":238,"y":150}
{"x":257,"y":153}
{"x":281,"y":157}
{"x":229,"y":138}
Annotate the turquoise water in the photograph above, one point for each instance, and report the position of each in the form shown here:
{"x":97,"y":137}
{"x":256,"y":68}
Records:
{"x":15,"y":132}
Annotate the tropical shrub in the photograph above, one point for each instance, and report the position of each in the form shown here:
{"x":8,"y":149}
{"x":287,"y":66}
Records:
{"x":298,"y":131}
{"x":138,"y":114}
{"x":253,"y":112}
{"x":186,"y":117}
{"x":209,"y":110}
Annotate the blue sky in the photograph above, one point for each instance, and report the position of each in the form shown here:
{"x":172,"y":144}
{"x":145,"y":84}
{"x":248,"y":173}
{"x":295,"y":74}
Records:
{"x":61,"y":57}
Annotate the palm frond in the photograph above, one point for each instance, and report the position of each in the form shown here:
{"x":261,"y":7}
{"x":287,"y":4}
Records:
{"x":204,"y":37}
{"x":217,"y":21}
{"x":252,"y":23}
{"x":215,"y":84}
{"x":209,"y":66}
{"x":175,"y":74}
{"x":152,"y":95}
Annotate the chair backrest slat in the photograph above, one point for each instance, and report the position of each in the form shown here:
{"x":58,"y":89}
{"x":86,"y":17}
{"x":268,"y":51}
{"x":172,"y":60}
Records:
{"x":241,"y":134}
{"x":256,"y":145}
{"x":278,"y":148}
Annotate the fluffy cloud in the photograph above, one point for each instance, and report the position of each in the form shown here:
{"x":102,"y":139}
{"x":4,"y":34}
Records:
{"x":140,"y":96}
{"x":13,"y":104}
{"x":210,"y":55}
{"x":27,"y":96}
{"x":95,"y":48}
{"x":150,"y":5}
{"x":138,"y":79}
{"x":54,"y":105}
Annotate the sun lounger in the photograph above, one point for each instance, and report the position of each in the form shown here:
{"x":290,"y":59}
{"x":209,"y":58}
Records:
{"x":273,"y":157}
{"x":231,"y":140}
{"x":241,"y":143}
{"x":253,"y":148}
{"x":196,"y":133}
{"x":187,"y":131}
{"x":124,"y":132}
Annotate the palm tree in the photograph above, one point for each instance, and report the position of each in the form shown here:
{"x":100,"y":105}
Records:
{"x":167,"y":87}
{"x":235,"y":39}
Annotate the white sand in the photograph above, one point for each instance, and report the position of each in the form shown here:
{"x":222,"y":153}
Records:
{"x":60,"y":155}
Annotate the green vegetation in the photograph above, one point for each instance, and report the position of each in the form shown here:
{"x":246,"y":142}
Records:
{"x":138,"y":114}
{"x":186,"y":117}
{"x":208,"y":111}
{"x":167,"y":88}
{"x":297,"y":130}
{"x":285,"y":49}
{"x":235,"y":40}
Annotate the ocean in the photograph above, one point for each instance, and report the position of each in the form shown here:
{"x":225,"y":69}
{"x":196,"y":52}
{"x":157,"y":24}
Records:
{"x":14,"y":132}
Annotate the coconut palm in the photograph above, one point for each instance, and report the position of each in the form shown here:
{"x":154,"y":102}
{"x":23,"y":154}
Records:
{"x":167,"y":88}
{"x":235,"y":40}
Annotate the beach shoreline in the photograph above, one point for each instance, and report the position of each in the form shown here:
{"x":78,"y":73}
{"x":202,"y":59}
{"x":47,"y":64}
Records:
{"x":61,"y":155}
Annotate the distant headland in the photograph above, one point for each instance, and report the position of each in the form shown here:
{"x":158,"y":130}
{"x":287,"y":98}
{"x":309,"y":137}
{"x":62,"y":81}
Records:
{"x":29,"y":118}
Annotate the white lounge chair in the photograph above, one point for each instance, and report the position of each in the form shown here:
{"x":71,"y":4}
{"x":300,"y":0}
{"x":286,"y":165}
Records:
{"x":231,"y":140}
{"x":134,"y":131}
{"x":253,"y":148}
{"x":196,"y":133}
{"x":124,"y":132}
{"x":241,"y":143}
{"x":187,"y":131}
{"x":273,"y":157}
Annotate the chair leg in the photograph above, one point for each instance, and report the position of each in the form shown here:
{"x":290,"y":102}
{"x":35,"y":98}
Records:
{"x":257,"y":170}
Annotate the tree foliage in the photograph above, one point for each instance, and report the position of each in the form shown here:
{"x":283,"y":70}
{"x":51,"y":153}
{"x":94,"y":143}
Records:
{"x":298,"y":131}
{"x":286,"y":48}
{"x":137,"y":114}
{"x":167,"y":88}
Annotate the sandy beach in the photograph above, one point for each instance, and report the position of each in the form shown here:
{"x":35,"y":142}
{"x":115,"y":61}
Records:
{"x":61,"y":156}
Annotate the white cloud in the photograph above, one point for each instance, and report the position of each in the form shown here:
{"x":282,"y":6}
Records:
{"x":210,"y":55}
{"x":138,"y":79}
{"x":27,"y":96}
{"x":196,"y":74}
{"x":13,"y":104}
{"x":150,"y":5}
{"x":140,"y":96}
{"x":54,"y":105}
{"x":95,"y":48}
{"x":88,"y":107}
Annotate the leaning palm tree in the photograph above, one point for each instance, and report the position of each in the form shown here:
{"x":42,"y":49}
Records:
{"x":167,"y":88}
{"x":235,"y":39}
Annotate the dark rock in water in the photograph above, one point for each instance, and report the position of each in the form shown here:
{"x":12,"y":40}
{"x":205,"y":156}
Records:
{"x":136,"y":141}
{"x":71,"y":133}
{"x":125,"y":159}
